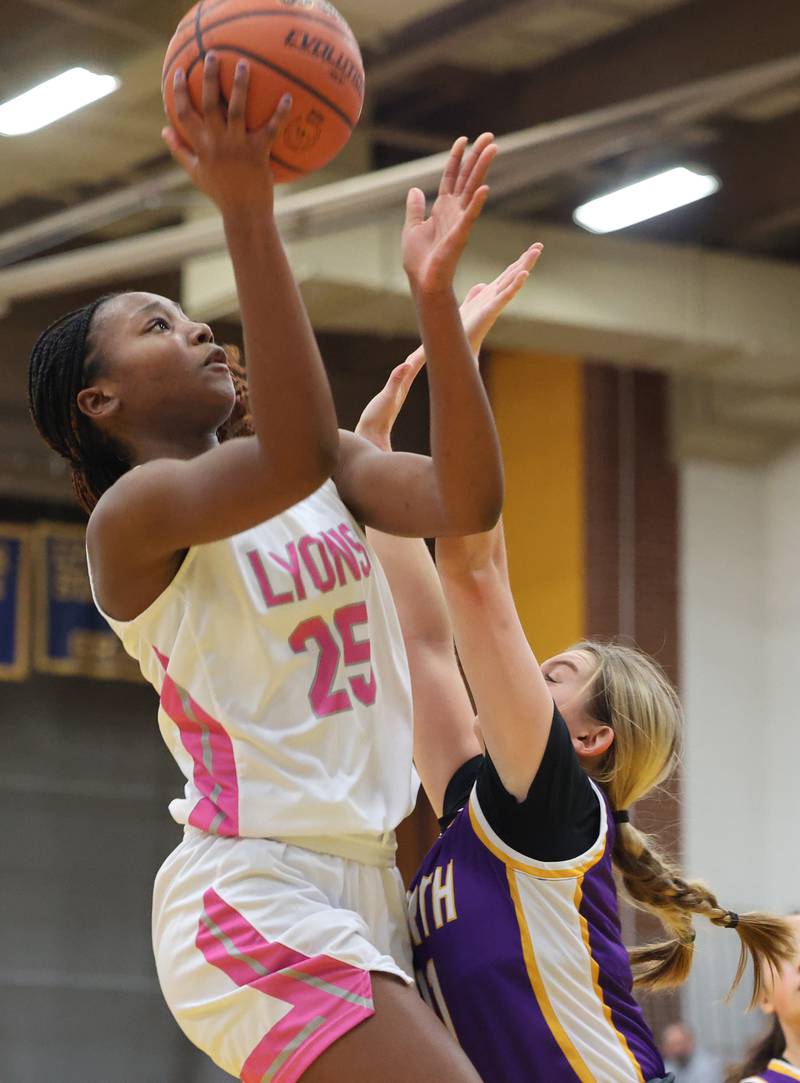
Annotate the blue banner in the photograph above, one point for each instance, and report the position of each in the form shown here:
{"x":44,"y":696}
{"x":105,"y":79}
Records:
{"x":71,"y":636}
{"x":14,"y":602}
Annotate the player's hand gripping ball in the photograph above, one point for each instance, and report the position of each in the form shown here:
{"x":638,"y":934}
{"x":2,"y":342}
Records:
{"x":304,"y":47}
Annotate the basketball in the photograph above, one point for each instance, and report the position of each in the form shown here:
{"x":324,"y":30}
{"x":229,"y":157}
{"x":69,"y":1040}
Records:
{"x":304,"y":47}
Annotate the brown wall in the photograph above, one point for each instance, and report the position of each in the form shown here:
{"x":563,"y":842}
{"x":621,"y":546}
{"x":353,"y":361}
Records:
{"x":632,"y":565}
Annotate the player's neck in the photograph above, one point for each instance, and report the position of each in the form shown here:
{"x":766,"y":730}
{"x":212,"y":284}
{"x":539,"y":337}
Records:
{"x":179,"y":446}
{"x":792,"y":1053}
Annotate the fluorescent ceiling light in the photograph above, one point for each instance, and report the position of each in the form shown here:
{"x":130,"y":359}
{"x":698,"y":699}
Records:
{"x":645,"y":199}
{"x":53,"y":100}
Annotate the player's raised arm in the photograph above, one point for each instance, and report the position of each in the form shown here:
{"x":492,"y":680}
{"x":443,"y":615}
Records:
{"x":511,"y":696}
{"x":460,"y":487}
{"x":172,"y":503}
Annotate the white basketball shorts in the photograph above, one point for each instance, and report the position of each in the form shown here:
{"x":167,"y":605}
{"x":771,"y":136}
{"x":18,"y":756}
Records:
{"x":264,"y":950}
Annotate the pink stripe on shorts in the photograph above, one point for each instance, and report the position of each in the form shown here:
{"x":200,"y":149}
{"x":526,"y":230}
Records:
{"x":328,"y":997}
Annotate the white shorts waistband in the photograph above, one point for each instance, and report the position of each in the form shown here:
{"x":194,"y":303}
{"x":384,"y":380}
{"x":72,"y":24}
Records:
{"x":377,"y":850}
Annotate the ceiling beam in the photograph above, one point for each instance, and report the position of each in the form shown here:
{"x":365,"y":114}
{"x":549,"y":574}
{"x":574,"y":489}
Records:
{"x":525,"y":158}
{"x":666,"y":307}
{"x":91,"y":15}
{"x":760,"y":168}
{"x":685,"y":43}
{"x":55,"y":229}
{"x":427,"y":40}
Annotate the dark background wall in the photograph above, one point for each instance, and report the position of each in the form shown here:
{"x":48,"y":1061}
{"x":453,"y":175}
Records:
{"x":84,"y":785}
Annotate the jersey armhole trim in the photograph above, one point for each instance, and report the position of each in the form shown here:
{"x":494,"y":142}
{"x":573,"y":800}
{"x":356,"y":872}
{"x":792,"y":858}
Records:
{"x":547,"y":870}
{"x":156,"y":602}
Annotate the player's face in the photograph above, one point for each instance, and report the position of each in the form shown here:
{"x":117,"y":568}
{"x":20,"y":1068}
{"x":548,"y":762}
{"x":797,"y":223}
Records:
{"x":783,"y":989}
{"x":160,"y":364}
{"x":568,"y":677}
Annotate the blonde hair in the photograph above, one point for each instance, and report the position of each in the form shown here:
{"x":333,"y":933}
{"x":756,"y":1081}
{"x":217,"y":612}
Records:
{"x":631,"y":693}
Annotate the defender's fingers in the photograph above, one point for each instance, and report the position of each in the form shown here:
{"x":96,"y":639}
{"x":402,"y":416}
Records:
{"x":380,"y":413}
{"x":507,"y":274}
{"x":529,"y":259}
{"x":406,"y":374}
{"x":468,"y":165}
{"x":415,"y":363}
{"x":473,"y":292}
{"x":237,"y":105}
{"x":525,"y":262}
{"x":513,"y":287}
{"x":396,"y":375}
{"x":451,"y":170}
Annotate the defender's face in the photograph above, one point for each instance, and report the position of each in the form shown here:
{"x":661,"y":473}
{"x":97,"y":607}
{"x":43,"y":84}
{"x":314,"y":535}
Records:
{"x":567,"y":676}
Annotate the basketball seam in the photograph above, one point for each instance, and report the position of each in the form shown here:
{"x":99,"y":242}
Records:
{"x":198,"y":29}
{"x":284,"y":15}
{"x":237,"y":49}
{"x":187,"y":21}
{"x":232,"y":18}
{"x":170,"y":58}
{"x":292,"y":168}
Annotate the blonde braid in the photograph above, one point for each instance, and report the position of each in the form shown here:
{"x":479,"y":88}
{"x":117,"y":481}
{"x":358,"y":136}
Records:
{"x":632,"y":694}
{"x":655,"y":884}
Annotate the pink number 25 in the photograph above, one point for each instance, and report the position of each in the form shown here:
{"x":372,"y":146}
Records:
{"x":325,"y":699}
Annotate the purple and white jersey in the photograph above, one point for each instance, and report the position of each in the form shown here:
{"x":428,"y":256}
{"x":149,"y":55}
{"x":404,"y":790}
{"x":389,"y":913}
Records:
{"x":777,"y":1071}
{"x":523,"y":959}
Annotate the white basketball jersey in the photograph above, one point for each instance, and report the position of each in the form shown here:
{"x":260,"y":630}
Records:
{"x":282,"y":678}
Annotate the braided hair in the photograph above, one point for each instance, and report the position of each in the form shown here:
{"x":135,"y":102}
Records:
{"x":630,"y":692}
{"x":58,"y":371}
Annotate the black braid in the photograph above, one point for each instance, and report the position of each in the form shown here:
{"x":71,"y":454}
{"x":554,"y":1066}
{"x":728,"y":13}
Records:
{"x":56,"y":374}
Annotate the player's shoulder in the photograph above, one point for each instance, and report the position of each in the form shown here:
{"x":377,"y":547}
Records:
{"x":132,"y":493}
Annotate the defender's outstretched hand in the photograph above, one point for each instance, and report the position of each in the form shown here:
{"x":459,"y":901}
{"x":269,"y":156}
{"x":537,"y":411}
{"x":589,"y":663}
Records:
{"x":432,"y":246}
{"x":484,"y":303}
{"x":225,"y":160}
{"x":479,"y":312}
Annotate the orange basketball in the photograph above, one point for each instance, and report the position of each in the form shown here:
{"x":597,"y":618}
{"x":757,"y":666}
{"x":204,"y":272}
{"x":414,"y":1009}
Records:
{"x":301,"y":46}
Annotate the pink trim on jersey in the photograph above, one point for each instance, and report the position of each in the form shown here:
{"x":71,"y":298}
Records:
{"x":211,"y":749}
{"x":328,"y":997}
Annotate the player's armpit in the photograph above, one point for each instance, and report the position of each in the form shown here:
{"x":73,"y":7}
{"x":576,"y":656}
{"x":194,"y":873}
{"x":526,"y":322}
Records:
{"x":444,"y":722}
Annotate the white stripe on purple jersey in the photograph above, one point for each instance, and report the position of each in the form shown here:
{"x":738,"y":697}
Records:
{"x":524,"y":959}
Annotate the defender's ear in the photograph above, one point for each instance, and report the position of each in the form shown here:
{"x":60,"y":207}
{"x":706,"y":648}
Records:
{"x":595,"y":742}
